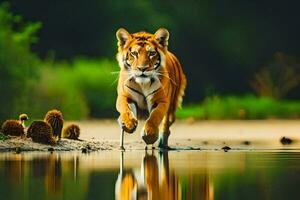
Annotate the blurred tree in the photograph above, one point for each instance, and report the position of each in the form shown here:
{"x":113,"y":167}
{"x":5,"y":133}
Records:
{"x":18,"y":65}
{"x":278,"y":77}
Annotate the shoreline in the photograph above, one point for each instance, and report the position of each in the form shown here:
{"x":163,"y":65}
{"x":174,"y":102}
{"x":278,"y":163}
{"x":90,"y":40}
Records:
{"x":103,"y":135}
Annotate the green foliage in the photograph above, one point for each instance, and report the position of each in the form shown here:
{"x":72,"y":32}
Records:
{"x":3,"y":137}
{"x":80,"y":89}
{"x":245,"y":107}
{"x":18,"y":65}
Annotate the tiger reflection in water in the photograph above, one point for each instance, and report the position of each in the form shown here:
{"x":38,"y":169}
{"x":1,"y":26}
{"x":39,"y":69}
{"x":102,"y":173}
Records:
{"x":152,"y":181}
{"x":156,"y":181}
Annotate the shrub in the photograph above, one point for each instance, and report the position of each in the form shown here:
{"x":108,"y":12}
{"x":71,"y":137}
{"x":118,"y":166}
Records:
{"x":80,"y":89}
{"x":243,"y":107}
{"x":18,"y":65}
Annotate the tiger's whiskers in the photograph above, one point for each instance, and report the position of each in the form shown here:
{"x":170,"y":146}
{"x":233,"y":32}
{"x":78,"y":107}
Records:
{"x":161,"y":74}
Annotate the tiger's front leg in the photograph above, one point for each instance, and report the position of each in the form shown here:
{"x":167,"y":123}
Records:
{"x":151,"y":127}
{"x":128,"y":116}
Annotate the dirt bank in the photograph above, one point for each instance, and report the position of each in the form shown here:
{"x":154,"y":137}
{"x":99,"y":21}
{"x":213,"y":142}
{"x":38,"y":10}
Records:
{"x":199,"y":135}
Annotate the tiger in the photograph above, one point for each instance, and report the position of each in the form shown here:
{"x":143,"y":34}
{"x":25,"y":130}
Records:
{"x":151,"y":83}
{"x":153,"y":180}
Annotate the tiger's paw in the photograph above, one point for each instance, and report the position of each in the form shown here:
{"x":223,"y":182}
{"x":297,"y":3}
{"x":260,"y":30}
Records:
{"x":128,"y":123}
{"x":163,"y":141}
{"x":150,"y":133}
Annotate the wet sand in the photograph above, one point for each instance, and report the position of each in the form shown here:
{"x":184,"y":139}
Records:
{"x":185,"y":135}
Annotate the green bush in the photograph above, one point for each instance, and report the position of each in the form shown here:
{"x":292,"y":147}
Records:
{"x":80,"y":89}
{"x":241,"y":107}
{"x":18,"y":65}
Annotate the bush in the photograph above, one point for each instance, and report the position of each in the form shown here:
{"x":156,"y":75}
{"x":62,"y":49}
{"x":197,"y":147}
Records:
{"x":18,"y":65}
{"x":80,"y":89}
{"x":244,"y":107}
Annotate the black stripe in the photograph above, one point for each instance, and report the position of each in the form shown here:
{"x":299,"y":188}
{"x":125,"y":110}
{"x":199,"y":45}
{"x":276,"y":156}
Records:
{"x":153,"y":92}
{"x":142,"y":38}
{"x":135,"y":90}
{"x":126,"y":64}
{"x":159,"y":61}
{"x":145,"y":97}
{"x":151,"y":81}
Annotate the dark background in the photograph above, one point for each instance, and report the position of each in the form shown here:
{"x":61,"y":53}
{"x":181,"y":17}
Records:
{"x":221,"y":44}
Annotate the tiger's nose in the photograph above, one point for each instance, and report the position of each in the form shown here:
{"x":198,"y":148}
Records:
{"x":143,"y":68}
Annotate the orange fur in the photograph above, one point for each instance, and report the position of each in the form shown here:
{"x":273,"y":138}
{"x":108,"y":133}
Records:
{"x":152,"y":78}
{"x":154,"y":180}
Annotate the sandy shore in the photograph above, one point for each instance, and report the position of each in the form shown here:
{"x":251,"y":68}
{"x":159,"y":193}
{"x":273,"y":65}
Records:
{"x":185,"y":135}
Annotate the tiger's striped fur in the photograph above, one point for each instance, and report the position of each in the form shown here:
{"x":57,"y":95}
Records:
{"x":152,"y":79}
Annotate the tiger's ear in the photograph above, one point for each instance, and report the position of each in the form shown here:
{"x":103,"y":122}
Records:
{"x":123,"y":36}
{"x":162,"y":36}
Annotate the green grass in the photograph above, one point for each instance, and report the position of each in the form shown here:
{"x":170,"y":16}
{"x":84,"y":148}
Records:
{"x":241,"y":107}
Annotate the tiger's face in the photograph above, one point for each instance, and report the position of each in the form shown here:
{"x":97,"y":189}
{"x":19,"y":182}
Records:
{"x":142,"y":55}
{"x":143,"y":62}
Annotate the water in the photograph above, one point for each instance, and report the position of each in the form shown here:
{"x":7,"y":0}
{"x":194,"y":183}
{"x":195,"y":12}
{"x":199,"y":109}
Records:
{"x":152,"y":175}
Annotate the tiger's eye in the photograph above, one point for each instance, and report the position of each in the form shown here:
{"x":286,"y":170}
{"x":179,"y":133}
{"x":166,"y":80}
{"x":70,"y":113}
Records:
{"x":152,"y":53}
{"x":134,"y":53}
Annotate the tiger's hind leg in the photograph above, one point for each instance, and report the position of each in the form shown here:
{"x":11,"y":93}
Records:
{"x":164,"y":135}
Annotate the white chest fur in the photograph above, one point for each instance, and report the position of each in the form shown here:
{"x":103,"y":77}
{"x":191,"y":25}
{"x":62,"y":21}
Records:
{"x":142,"y":94}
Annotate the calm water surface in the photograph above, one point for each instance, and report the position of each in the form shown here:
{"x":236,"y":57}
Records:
{"x":151,"y":175}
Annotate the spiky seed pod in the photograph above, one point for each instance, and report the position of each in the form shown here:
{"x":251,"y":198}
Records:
{"x":72,"y":131}
{"x":12,"y":127}
{"x":41,"y":132}
{"x":55,"y":119}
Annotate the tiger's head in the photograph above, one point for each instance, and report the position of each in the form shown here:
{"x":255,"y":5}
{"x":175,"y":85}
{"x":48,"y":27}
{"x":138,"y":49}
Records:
{"x":142,"y":55}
